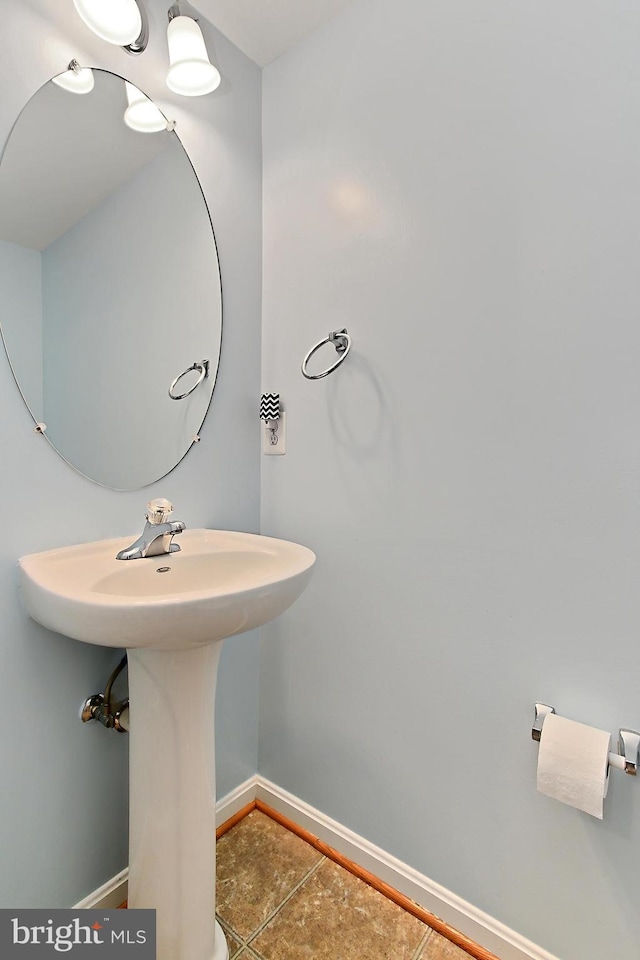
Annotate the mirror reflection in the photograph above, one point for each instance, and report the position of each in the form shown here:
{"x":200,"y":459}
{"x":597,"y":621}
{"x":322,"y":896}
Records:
{"x":110,"y":281}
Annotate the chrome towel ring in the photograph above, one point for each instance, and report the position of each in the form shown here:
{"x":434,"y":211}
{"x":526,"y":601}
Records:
{"x":204,"y":372}
{"x":342,"y":342}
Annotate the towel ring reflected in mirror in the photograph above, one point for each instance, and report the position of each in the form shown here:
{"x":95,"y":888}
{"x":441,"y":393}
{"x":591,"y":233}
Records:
{"x":204,"y":372}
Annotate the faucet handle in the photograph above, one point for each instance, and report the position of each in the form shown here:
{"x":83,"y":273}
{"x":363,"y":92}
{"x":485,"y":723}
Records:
{"x":158,"y":510}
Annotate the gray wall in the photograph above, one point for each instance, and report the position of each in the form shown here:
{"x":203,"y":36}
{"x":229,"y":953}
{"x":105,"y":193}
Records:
{"x":21,"y":314}
{"x":163,"y":313}
{"x":457,"y":184}
{"x":63,"y":807}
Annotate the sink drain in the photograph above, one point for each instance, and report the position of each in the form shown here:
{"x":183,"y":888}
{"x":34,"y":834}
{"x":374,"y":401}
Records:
{"x":163,"y":569}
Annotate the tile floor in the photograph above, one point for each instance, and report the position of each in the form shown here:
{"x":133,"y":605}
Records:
{"x":278,"y":898}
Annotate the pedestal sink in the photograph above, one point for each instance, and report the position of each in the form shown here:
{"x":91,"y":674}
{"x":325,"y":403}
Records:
{"x":172,"y":613}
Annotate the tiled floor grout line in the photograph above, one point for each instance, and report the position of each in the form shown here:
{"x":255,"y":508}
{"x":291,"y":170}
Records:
{"x":301,"y":883}
{"x":423,"y":942}
{"x":243,"y":947}
{"x":227,"y":930}
{"x":250,"y":953}
{"x":244,"y":950}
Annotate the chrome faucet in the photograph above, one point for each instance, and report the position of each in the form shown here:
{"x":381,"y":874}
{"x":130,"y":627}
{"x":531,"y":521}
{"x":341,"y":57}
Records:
{"x":157,"y":537}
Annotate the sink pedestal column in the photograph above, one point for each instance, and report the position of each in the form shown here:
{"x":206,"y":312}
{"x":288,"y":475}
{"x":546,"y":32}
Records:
{"x":172,"y":822}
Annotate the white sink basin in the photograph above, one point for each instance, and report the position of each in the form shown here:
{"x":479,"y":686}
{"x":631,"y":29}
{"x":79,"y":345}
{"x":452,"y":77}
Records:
{"x":220,"y":583}
{"x":172,"y":613}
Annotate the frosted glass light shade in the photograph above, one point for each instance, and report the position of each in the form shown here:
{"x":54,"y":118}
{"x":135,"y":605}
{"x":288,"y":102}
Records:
{"x":76,"y":81}
{"x":142,"y":114}
{"x":116,"y":21}
{"x":191,"y":72}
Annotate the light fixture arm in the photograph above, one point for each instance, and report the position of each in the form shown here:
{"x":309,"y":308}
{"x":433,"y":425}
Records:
{"x":181,"y":9}
{"x":139,"y":45}
{"x":178,"y":9}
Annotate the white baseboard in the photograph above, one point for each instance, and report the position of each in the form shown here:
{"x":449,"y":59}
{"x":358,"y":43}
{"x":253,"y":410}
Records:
{"x":233,"y":802}
{"x":109,"y":896}
{"x":458,"y":913}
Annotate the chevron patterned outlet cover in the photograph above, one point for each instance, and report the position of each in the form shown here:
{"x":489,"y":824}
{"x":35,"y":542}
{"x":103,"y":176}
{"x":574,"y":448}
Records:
{"x":270,"y":406}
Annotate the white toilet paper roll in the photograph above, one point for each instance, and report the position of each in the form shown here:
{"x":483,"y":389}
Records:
{"x":573,"y":764}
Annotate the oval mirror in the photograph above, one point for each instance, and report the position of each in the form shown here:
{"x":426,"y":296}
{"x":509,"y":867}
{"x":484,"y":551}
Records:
{"x":109,"y":279}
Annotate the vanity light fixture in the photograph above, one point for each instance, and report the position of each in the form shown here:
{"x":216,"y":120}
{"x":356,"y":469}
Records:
{"x":76,"y":79}
{"x":142,"y":114}
{"x":117,"y":21}
{"x":191,"y":73}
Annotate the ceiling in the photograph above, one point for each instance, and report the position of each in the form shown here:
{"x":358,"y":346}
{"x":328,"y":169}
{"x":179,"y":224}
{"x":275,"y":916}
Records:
{"x":264,"y":29}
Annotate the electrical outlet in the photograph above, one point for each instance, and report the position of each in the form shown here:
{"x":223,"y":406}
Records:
{"x":274,"y":430}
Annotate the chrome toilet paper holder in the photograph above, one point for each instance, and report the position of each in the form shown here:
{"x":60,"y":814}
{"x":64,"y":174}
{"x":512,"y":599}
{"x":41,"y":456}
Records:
{"x":628,"y":756}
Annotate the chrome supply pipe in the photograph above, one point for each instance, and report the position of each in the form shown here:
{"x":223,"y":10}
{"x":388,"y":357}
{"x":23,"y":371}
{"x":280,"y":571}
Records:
{"x":113,"y":716}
